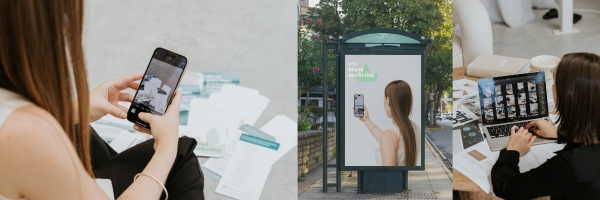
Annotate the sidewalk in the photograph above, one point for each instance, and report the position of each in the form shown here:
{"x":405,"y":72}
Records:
{"x":433,"y":183}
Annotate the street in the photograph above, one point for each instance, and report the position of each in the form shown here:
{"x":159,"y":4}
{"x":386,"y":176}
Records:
{"x":442,"y":139}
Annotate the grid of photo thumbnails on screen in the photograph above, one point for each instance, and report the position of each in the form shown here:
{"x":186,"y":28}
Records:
{"x":513,"y":98}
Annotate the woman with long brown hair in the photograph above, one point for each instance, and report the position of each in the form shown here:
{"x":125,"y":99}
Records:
{"x":44,"y":95}
{"x":574,"y":173}
{"x":399,"y":146}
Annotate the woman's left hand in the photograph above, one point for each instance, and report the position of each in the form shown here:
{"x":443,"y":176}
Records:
{"x":104,"y":98}
{"x":520,"y":140}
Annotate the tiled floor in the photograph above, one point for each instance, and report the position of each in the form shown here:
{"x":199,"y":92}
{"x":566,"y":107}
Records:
{"x":536,"y":37}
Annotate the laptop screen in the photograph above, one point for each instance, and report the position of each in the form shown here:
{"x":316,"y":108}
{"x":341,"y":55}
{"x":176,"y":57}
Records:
{"x":513,"y":98}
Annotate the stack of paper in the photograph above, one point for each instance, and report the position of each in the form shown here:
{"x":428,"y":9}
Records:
{"x":201,"y":85}
{"x":465,"y":93}
{"x":211,"y":120}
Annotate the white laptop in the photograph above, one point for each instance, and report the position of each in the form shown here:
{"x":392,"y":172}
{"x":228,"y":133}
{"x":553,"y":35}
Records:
{"x":508,"y":101}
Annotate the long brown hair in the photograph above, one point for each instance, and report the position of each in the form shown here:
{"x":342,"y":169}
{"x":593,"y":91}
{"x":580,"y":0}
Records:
{"x":400,"y":99}
{"x":41,"y":58}
{"x":577,"y":85}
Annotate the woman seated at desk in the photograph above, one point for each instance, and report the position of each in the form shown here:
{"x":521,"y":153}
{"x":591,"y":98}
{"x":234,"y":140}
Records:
{"x":574,"y":173}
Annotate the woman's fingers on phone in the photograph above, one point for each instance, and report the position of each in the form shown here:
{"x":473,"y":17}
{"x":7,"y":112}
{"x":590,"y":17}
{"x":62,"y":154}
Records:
{"x":140,"y":129}
{"x":175,"y":104}
{"x":134,"y":85}
{"x":147,"y":117}
{"x":123,"y":83}
{"x":125,"y":97}
{"x":119,"y":111}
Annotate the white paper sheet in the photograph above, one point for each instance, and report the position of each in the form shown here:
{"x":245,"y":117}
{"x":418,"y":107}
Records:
{"x":207,"y":123}
{"x":280,"y":127}
{"x":247,"y":171}
{"x":470,"y":163}
{"x":249,"y":165}
{"x":212,"y":120}
{"x":126,"y":139}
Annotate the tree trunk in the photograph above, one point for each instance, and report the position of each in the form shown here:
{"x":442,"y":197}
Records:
{"x":438,"y":99}
{"x":307,"y":101}
{"x":427,"y":111}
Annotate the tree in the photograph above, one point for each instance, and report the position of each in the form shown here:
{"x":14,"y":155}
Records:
{"x":430,"y":18}
{"x":310,"y":64}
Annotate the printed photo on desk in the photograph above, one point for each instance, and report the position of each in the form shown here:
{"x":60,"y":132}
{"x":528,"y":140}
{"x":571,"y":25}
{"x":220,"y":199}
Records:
{"x":374,"y":101}
{"x":522,"y":123}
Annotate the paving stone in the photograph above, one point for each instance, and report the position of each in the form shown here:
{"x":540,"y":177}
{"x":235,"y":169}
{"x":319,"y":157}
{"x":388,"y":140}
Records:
{"x":432,"y":183}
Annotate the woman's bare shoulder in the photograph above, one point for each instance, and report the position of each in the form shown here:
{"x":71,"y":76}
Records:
{"x":389,"y":135}
{"x":34,"y":148}
{"x":29,"y":122}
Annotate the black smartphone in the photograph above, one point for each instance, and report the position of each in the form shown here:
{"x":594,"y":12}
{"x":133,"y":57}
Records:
{"x":158,"y":85}
{"x":359,"y":105}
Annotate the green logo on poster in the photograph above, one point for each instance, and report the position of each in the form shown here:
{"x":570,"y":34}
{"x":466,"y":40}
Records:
{"x":363,"y":74}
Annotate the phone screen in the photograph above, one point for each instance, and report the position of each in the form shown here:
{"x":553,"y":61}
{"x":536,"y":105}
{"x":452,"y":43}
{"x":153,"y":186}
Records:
{"x":158,"y":85}
{"x":359,"y":103}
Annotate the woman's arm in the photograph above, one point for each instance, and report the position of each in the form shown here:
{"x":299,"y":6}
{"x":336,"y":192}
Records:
{"x":164,"y":131}
{"x":554,"y":177}
{"x":373,"y":128}
{"x":551,"y":178}
{"x":388,"y":146}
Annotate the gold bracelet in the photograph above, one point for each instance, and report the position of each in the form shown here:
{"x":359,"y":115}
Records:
{"x":155,"y":179}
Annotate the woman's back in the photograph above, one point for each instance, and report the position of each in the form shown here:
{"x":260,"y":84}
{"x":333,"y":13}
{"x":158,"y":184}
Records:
{"x":10,"y":102}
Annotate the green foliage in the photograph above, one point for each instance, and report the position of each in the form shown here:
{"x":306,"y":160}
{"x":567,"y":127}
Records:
{"x":429,"y":18}
{"x":304,"y":125}
{"x":310,"y":63}
{"x":310,"y":114}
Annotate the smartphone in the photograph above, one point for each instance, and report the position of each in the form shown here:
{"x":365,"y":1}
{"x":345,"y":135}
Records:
{"x":359,"y":105}
{"x":158,"y":85}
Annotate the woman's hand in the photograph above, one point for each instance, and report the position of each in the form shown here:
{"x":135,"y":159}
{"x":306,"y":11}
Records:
{"x":104,"y":98}
{"x":164,"y":128}
{"x":365,"y":113}
{"x":520,"y":140}
{"x":543,"y":128}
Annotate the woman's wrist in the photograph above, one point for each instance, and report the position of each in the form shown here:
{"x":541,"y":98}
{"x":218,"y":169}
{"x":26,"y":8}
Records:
{"x":165,"y":145}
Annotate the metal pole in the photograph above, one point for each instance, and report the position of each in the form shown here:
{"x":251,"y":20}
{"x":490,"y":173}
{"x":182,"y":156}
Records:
{"x":324,"y":122}
{"x":338,"y":172}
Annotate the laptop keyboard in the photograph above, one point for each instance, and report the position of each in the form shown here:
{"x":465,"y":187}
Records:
{"x":504,"y":129}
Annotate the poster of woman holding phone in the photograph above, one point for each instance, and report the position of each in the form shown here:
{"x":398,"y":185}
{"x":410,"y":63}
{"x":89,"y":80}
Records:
{"x":388,"y":88}
{"x":399,"y":145}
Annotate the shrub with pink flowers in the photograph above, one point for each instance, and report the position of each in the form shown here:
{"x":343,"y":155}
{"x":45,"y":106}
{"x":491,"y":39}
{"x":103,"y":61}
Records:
{"x":310,"y":46}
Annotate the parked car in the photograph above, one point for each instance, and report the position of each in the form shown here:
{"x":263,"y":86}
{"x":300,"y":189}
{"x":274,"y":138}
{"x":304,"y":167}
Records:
{"x":438,"y":116}
{"x":447,"y":116}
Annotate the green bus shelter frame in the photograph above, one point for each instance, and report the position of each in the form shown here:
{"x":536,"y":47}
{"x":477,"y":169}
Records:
{"x":379,"y":41}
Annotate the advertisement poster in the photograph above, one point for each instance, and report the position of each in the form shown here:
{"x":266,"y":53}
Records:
{"x":366,"y":79}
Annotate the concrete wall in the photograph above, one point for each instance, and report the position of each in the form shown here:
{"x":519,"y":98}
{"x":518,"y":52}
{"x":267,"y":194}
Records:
{"x":310,"y":149}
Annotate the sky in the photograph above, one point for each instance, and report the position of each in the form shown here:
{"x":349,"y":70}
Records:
{"x":312,"y":3}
